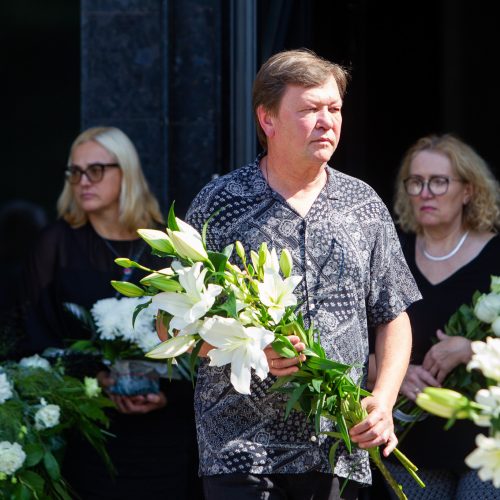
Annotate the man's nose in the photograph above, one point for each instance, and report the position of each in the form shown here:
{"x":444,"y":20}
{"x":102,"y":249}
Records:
{"x":325,"y":119}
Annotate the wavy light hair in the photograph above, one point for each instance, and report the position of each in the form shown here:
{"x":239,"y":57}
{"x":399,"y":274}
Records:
{"x":300,"y":67}
{"x":482,"y":213}
{"x":138,"y":206}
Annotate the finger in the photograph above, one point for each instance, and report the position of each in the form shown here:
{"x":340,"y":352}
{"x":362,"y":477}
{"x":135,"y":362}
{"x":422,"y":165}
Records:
{"x":441,"y":335}
{"x":391,"y":445}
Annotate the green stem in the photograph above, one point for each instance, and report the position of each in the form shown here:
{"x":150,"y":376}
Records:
{"x":377,"y":460}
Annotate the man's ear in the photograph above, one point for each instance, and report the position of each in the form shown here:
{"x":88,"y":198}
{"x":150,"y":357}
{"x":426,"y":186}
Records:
{"x":266,"y":121}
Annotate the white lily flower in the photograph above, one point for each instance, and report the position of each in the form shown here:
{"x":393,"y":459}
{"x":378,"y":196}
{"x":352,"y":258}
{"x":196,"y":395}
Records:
{"x":187,"y":242}
{"x":272,"y":261}
{"x":486,"y":357}
{"x":240,"y":346}
{"x":187,"y":307}
{"x":490,"y":400}
{"x":277,"y":293}
{"x":486,"y":458}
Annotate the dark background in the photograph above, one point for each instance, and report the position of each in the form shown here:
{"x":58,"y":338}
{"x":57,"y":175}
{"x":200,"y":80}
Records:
{"x":418,"y":68}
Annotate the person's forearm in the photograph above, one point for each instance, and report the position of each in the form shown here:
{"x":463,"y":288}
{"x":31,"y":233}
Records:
{"x":392,"y":353}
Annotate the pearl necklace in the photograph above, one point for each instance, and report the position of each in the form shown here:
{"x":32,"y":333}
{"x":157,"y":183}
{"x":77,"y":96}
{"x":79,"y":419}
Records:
{"x":448,"y":255}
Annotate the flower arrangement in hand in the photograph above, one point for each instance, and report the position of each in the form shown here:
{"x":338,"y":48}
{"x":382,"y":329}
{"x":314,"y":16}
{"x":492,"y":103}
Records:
{"x":38,"y":404}
{"x":476,"y":322}
{"x":484,"y":410}
{"x":122,"y":338}
{"x":239,"y":311}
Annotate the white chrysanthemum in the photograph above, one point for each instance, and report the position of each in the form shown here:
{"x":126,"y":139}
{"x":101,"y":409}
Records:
{"x":486,"y":458}
{"x":35,"y":361}
{"x":107,"y":317}
{"x":5,"y":388}
{"x":12,"y":457}
{"x":47,"y":416}
{"x":147,"y":341}
{"x":92,"y":388}
{"x":486,"y":357}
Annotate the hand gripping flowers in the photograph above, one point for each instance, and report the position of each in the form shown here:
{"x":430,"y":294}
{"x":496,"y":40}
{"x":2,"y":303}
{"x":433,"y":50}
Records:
{"x":203,"y":296}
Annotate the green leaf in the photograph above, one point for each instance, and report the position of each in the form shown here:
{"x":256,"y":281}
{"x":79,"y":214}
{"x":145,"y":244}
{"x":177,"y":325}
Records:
{"x":229,"y":306}
{"x":34,"y":453}
{"x":52,"y":466}
{"x":331,"y":455}
{"x":316,"y":383}
{"x":80,"y":313}
{"x":293,"y":399}
{"x":138,"y":309}
{"x":343,"y":431}
{"x":218,"y":260}
{"x":284,"y":347}
{"x":326,"y":364}
{"x":33,"y":480}
{"x":205,"y":226}
{"x":171,"y":221}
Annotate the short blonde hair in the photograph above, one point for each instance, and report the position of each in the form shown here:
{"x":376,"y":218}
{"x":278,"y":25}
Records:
{"x":138,"y":206}
{"x":482,"y":213}
{"x":300,"y":67}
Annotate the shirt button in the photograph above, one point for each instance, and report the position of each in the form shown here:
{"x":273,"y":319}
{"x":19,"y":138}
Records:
{"x":311,"y":306}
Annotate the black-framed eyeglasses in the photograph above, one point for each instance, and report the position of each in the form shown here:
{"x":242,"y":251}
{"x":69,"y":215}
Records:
{"x":94,"y":172}
{"x":436,"y":184}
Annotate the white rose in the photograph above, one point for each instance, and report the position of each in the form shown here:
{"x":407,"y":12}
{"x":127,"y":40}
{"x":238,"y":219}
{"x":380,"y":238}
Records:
{"x":12,"y":457}
{"x":495,"y":326}
{"x":486,"y":357}
{"x":47,"y":416}
{"x":35,"y":361}
{"x":5,"y":388}
{"x":488,"y":307}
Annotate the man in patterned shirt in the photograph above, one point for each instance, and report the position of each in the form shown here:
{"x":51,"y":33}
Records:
{"x":344,"y":245}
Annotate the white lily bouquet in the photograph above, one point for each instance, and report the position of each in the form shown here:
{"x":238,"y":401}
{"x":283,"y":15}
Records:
{"x":38,"y":405}
{"x":204,"y":297}
{"x":483,"y":408}
{"x":122,"y":339}
{"x":475,"y":321}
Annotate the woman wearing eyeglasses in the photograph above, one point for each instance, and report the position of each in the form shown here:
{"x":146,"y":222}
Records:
{"x":104,"y":201}
{"x":447,"y":205}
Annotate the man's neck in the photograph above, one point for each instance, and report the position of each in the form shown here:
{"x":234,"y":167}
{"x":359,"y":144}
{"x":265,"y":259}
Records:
{"x":300,"y":187}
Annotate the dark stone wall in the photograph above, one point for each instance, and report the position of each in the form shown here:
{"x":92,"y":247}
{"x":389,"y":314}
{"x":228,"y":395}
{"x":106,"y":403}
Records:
{"x":152,"y":68}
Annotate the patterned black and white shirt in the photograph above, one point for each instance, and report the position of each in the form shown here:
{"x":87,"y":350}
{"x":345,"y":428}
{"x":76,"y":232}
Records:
{"x":354,"y":275}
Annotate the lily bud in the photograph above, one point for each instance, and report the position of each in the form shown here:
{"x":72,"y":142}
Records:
{"x":188,"y":245}
{"x":174,"y":346}
{"x":162,"y":282}
{"x":263,"y":254}
{"x":254,"y":256}
{"x":286,"y":263}
{"x":157,"y":240}
{"x":124,"y":262}
{"x":444,"y":403}
{"x":127,"y":289}
{"x":240,"y":251}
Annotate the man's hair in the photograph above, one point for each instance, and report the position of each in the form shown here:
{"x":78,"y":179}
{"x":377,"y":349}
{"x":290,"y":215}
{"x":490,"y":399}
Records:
{"x":301,"y":67}
{"x":482,"y":213}
{"x":138,"y":206}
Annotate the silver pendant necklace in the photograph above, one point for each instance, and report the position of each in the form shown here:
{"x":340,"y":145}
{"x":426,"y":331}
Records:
{"x":448,"y":255}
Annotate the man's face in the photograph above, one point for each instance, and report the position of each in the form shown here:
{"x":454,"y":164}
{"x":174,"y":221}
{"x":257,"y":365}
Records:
{"x":307,"y":126}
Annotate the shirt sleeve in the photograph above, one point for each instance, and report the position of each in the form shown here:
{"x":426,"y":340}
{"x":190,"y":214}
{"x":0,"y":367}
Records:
{"x":392,"y":288}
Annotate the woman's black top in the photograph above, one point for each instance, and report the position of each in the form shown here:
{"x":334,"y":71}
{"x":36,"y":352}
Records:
{"x":155,"y":453}
{"x":427,"y":444}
